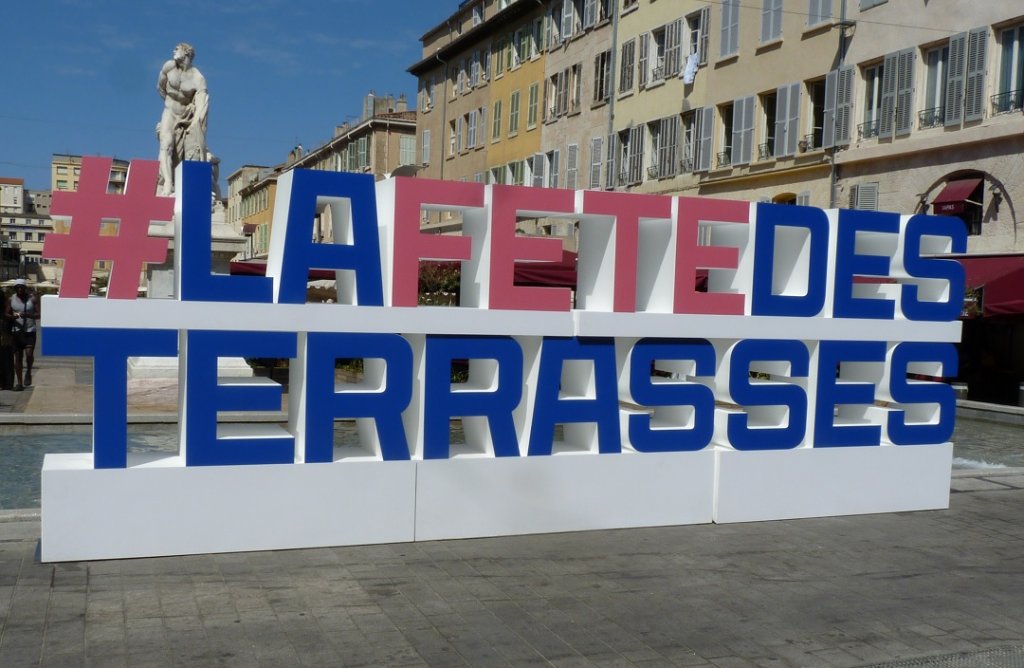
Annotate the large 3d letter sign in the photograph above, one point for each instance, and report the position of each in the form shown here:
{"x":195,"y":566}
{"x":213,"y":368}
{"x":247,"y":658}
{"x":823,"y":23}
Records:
{"x":804,"y":380}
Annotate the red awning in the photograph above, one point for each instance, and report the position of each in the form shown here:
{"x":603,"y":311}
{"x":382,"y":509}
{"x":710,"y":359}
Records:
{"x":953,"y":196}
{"x":248,"y":229}
{"x":258,"y":267}
{"x":1000,"y":277}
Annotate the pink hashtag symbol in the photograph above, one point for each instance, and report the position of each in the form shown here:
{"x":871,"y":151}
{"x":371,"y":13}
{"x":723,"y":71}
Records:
{"x":126,"y":251}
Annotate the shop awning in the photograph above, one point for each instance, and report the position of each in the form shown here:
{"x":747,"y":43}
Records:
{"x":1000,"y":279}
{"x":953,"y":196}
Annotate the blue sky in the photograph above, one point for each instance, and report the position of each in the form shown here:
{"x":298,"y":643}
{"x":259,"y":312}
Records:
{"x":82,"y":73}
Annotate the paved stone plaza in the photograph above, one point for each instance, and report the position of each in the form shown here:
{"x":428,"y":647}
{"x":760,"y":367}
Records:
{"x":846,"y":591}
{"x":821,"y":592}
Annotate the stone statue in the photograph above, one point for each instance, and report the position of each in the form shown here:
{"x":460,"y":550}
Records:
{"x":182,"y":127}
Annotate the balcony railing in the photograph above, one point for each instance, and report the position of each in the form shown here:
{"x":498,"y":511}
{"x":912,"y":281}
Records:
{"x":725,"y":158}
{"x":868,"y":130}
{"x":1004,"y":103}
{"x":929,"y":118}
{"x":766,"y":151}
{"x":807,"y":142}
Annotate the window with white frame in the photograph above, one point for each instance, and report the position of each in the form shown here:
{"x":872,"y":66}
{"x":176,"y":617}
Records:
{"x":575,"y":87}
{"x":661,"y":53}
{"x":630,"y":156}
{"x":965,"y":85}
{"x":602,"y":76}
{"x":725,"y":137}
{"x":818,"y":12}
{"x":498,"y":50}
{"x":425,"y":147}
{"x":771,"y":20}
{"x":664,"y":138}
{"x":1010,"y":92}
{"x":478,"y":14}
{"x":872,"y":101}
{"x":572,"y":166}
{"x":730,"y":35}
{"x":596,"y":157}
{"x":815,"y":131}
{"x":407,"y":150}
{"x":688,"y":143}
{"x":742,"y":130}
{"x":474,"y":70}
{"x":496,"y":122}
{"x":787,"y":119}
{"x":936,"y":63}
{"x":531,"y":106}
{"x":471,"y":129}
{"x":513,"y":114}
{"x":627,"y":65}
{"x":697,"y":31}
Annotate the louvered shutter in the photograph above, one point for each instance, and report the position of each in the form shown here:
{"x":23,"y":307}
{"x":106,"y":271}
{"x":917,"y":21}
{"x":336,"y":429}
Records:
{"x":707,"y":126}
{"x":596,"y":153}
{"x":705,"y":23}
{"x":589,"y":13}
{"x":748,"y":132}
{"x":645,"y":45}
{"x":828,"y":139}
{"x":844,"y":105}
{"x":974,"y":88}
{"x":793,"y":122}
{"x":538,"y":170}
{"x":904,"y":92}
{"x":673,"y":47}
{"x":553,"y":171}
{"x":955,"y":79}
{"x":572,"y":157}
{"x":567,"y":19}
{"x":781,"y":120}
{"x":611,"y":163}
{"x":888,"y":107}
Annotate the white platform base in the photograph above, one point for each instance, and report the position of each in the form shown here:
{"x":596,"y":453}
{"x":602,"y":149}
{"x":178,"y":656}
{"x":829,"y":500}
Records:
{"x":822,"y":482}
{"x":163,"y":368}
{"x":159,"y":507}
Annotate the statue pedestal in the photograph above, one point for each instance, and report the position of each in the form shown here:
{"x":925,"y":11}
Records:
{"x":161,"y":284}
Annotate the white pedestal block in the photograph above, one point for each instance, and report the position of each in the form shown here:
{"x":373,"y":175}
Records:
{"x":474,"y":497}
{"x":161,"y":368}
{"x":161,"y":508}
{"x":821,"y":482}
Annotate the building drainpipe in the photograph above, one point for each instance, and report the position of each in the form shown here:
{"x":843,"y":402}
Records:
{"x":833,"y":177}
{"x":612,"y":77}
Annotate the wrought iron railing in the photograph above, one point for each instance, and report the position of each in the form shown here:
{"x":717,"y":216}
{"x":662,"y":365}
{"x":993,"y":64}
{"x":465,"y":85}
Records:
{"x":725,"y":157}
{"x":766,"y":151}
{"x":929,"y":118}
{"x":1004,"y":103}
{"x":868,"y":129}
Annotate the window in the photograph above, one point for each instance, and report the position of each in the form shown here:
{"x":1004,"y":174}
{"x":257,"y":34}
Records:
{"x":513,"y":114}
{"x":838,"y":107}
{"x":726,"y":138}
{"x":514,"y":53}
{"x":602,"y":76}
{"x":627,"y":65}
{"x":499,"y":59}
{"x":451,"y":141}
{"x":787,"y":119}
{"x":497,"y":176}
{"x":496,"y":125}
{"x":407,"y":150}
{"x":688,"y":145}
{"x":864,"y":196}
{"x":815,"y":135}
{"x":819,"y":11}
{"x":743,"y":130}
{"x":630,"y":156}
{"x":62,"y":184}
{"x":481,"y":131}
{"x":872,"y":101}
{"x":471,"y":129}
{"x":1011,"y":71}
{"x":478,"y":14}
{"x":553,"y":167}
{"x":697,"y":28}
{"x":896,"y":110}
{"x":531,"y":108}
{"x":936,"y":62}
{"x":572,"y":158}
{"x":554,"y":21}
{"x":425,"y":157}
{"x":517,"y":172}
{"x":664,"y":135}
{"x":575,"y":87}
{"x":628,"y":4}
{"x":965,"y":85}
{"x":460,"y":125}
{"x":771,"y":20}
{"x":568,"y":19}
{"x":474,"y":70}
{"x":558,"y":94}
{"x":661,"y":53}
{"x":596,"y":153}
{"x":62,"y":170}
{"x":730,"y":28}
{"x":545,"y":169}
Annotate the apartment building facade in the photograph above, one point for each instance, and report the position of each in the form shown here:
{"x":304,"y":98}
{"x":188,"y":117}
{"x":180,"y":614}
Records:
{"x":23,"y":228}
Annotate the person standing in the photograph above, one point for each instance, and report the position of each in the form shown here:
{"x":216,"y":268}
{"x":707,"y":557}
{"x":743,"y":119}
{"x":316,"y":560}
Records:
{"x":23,"y":312}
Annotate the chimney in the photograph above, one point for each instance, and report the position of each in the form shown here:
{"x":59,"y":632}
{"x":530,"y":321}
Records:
{"x":403,"y":104}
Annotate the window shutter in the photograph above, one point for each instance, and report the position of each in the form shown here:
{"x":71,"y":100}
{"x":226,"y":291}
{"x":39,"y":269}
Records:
{"x":596,"y":154}
{"x":553,"y":175}
{"x":636,"y":154}
{"x":645,"y":45}
{"x":904,"y":91}
{"x":828,"y":139}
{"x":707,"y":126}
{"x":538,"y":170}
{"x":804,"y":198}
{"x":589,"y":13}
{"x":781,"y":121}
{"x":482,"y":132}
{"x":955,"y":79}
{"x":611,"y":171}
{"x":567,"y":18}
{"x":888,"y":106}
{"x":425,"y":158}
{"x":702,"y":48}
{"x":730,"y":28}
{"x":974,"y":88}
{"x":572,"y":157}
{"x":748,"y":132}
{"x":864,"y":197}
{"x":793,"y":120}
{"x":673,"y":47}
{"x":844,"y":105}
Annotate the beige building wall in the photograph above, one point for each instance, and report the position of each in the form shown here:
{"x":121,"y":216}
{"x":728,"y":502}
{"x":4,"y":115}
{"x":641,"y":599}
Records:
{"x":908,"y":170}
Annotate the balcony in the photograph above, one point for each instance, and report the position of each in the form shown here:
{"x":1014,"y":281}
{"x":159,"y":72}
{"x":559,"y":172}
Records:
{"x":930,"y":118}
{"x":868,"y":130}
{"x":1004,"y":103}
